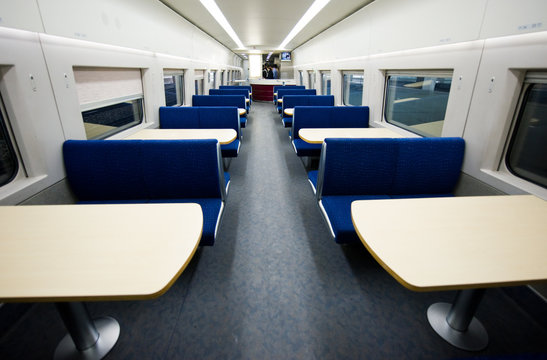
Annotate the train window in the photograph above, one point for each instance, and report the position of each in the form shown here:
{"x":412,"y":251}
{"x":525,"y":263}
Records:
{"x":352,"y":87}
{"x":527,"y":152}
{"x":8,"y":159}
{"x":417,"y":101}
{"x":301,"y":77}
{"x":325,"y":83}
{"x":212,"y":79}
{"x":311,"y":79}
{"x":222,"y":77}
{"x":111,"y":99}
{"x":198,"y":82}
{"x":173,"y":84}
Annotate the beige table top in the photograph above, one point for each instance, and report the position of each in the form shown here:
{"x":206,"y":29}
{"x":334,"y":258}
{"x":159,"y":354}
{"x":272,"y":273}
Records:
{"x":289,"y":111}
{"x":224,"y":136}
{"x":242,"y":111}
{"x":95,"y":252}
{"x":317,"y":136}
{"x":456,"y":243}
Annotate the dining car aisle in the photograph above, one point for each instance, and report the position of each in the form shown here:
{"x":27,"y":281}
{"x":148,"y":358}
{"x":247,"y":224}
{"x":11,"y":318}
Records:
{"x":276,"y":286}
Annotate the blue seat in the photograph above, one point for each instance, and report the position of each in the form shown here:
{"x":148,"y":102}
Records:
{"x":291,"y":101}
{"x":370,"y":169}
{"x":150,"y":171}
{"x":282,"y":92}
{"x":278,"y":87}
{"x":324,"y":117}
{"x":248,"y":87}
{"x":244,"y":92}
{"x":223,"y":100}
{"x":222,"y":117}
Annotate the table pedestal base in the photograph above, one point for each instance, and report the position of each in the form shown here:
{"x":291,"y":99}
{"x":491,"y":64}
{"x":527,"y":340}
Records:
{"x":86,"y":339}
{"x":457,"y":324}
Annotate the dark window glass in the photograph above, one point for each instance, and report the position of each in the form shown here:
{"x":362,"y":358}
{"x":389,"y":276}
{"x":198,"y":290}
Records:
{"x":108,"y":120}
{"x":8,"y":160}
{"x":527,"y":153}
{"x":173,"y":86}
{"x":417,"y":103}
{"x":352,"y":91}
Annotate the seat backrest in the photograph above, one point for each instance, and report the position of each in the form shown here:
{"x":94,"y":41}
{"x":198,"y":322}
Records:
{"x":219,"y":100}
{"x":283,"y":92}
{"x":328,"y":117}
{"x":104,"y":170}
{"x":290,"y":101}
{"x":206,"y":117}
{"x":428,"y":165}
{"x":248,"y":87}
{"x":403,"y":166}
{"x":179,"y":117}
{"x":243,"y":92}
{"x":294,"y":87}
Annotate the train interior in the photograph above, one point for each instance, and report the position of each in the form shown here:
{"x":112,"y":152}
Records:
{"x":275,"y":285}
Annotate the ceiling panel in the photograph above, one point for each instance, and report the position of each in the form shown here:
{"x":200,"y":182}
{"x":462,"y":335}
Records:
{"x":261,"y":24}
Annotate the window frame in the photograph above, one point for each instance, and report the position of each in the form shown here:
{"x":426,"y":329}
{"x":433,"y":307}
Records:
{"x":179,"y":84}
{"x":326,"y":78}
{"x":437,"y":73}
{"x":10,"y":145}
{"x":352,"y":72}
{"x":531,"y":78}
{"x":107,"y":102}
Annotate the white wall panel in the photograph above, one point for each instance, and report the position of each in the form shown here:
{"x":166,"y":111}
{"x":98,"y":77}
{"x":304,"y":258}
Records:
{"x":139,"y":24}
{"x":32,"y":115}
{"x":512,"y":17}
{"x":20,"y":14}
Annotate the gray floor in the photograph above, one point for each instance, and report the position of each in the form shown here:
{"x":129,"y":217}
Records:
{"x":276,"y":286}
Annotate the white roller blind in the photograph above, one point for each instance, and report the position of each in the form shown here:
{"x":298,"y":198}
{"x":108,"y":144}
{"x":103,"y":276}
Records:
{"x":103,"y":86}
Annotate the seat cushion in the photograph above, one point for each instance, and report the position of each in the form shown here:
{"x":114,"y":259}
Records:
{"x":312,"y":177}
{"x":303,"y":148}
{"x":211,"y":208}
{"x":287,"y":121}
{"x":242,"y":121}
{"x":337,"y":212}
{"x":231,"y":149}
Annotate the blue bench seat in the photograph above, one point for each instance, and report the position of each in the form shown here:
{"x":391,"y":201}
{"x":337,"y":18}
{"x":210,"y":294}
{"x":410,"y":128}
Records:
{"x":150,"y":171}
{"x":371,"y":169}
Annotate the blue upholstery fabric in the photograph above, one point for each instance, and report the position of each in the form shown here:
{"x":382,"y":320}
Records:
{"x":207,"y":117}
{"x":222,"y":100}
{"x":325,"y":117}
{"x":141,"y":171}
{"x":431,"y":166}
{"x":338,"y":209}
{"x":284,"y":87}
{"x":312,"y":177}
{"x":282,"y":92}
{"x":291,"y":101}
{"x":303,"y":148}
{"x":243,"y":92}
{"x":358,"y":167}
{"x":383,"y":168}
{"x":179,"y":117}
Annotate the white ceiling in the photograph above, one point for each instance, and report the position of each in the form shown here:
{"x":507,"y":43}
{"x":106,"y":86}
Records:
{"x":264,"y":24}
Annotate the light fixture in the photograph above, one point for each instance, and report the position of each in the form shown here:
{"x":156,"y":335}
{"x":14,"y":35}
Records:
{"x":269,"y":56}
{"x":214,"y":10}
{"x":306,"y":18}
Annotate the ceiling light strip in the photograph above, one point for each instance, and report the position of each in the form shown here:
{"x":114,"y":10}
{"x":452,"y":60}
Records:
{"x":306,"y":18}
{"x":214,"y":10}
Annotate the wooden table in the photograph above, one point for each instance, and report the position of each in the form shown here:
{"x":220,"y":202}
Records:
{"x":465,"y":243}
{"x":289,"y":111}
{"x":318,"y":135}
{"x":72,"y":253}
{"x":224,"y":136}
